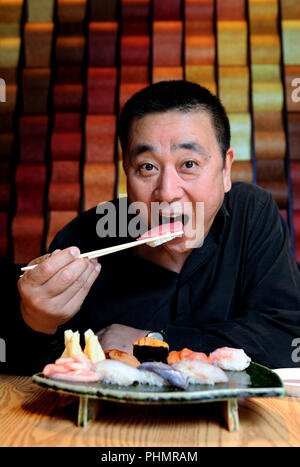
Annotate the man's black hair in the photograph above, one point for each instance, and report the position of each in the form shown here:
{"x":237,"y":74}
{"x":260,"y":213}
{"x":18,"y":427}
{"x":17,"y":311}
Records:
{"x":183,"y":96}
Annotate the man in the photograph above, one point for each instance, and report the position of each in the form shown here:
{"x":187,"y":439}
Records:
{"x":239,"y":288}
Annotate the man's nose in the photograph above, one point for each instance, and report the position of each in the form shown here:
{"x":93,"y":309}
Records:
{"x":168,"y":186}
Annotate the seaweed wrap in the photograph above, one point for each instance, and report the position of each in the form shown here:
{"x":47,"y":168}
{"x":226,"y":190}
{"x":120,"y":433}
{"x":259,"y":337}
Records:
{"x":148,"y":349}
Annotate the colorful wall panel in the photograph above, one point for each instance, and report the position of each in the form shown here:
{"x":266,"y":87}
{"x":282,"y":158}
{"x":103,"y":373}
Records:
{"x":290,"y":16}
{"x":99,"y":173}
{"x":10,"y":46}
{"x":234,"y":81}
{"x":200,"y":43}
{"x":134,"y":61}
{"x":268,"y":99}
{"x":33,"y":130}
{"x":67,"y":105}
{"x":68,"y":66}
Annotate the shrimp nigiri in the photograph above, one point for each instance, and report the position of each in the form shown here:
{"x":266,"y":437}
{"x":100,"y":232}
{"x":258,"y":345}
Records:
{"x":229,"y":358}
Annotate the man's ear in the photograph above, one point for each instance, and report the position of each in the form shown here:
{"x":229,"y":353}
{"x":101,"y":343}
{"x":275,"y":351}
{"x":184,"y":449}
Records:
{"x":227,"y":169}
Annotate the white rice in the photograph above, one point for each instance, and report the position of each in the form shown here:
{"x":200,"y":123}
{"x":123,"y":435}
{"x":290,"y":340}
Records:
{"x":115,"y":372}
{"x":239,"y":360}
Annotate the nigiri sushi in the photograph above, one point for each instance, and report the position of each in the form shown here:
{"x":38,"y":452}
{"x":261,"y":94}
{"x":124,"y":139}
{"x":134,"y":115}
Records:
{"x":115,"y":372}
{"x":200,"y":372}
{"x":177,"y":355}
{"x":116,"y":354}
{"x":149,"y":349}
{"x":229,"y":358}
{"x":169,"y":373}
{"x":175,"y":228}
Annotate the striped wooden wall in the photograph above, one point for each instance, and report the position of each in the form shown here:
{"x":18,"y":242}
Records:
{"x":69,"y":65}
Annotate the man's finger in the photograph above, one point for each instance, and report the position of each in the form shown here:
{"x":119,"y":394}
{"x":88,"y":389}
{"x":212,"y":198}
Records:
{"x":51,"y":265}
{"x":77,"y":299}
{"x":69,"y":279}
{"x":40,"y":259}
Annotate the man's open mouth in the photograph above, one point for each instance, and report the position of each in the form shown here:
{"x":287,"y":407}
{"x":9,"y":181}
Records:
{"x":183,"y":218}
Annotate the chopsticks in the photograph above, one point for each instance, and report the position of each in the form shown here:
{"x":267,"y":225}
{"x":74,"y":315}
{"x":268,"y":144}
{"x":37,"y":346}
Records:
{"x":123,"y":246}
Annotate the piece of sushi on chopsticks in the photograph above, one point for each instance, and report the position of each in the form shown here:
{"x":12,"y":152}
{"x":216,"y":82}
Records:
{"x":154,"y":237}
{"x":173,"y":229}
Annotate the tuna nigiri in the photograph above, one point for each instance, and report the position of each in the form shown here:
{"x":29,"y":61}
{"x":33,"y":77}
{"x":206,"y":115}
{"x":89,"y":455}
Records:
{"x":174,"y":227}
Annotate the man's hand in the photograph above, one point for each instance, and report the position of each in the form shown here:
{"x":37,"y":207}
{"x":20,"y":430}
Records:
{"x":54,"y":291}
{"x":118,"y":336}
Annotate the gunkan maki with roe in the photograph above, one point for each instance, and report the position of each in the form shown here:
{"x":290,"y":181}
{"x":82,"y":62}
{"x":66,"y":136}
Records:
{"x":148,"y":349}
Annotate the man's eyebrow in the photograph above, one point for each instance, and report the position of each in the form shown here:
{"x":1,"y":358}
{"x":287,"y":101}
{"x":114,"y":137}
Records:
{"x":192,"y":146}
{"x":188,"y":145}
{"x":140,"y":148}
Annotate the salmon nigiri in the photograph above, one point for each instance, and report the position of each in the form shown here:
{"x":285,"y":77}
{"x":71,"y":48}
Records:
{"x":177,"y":355}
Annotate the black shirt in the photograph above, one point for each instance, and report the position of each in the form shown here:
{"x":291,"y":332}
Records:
{"x":240,"y":289}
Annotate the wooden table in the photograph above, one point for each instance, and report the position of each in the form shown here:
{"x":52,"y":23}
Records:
{"x":33,"y":416}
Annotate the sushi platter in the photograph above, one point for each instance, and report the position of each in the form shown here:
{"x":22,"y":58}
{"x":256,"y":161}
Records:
{"x":121,"y":380}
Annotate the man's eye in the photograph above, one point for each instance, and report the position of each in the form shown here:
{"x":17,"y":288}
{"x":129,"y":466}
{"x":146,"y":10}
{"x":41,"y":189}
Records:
{"x":189,"y":164}
{"x":147,"y":167}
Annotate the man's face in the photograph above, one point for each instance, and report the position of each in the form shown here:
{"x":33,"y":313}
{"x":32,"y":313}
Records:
{"x":174,"y":158}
